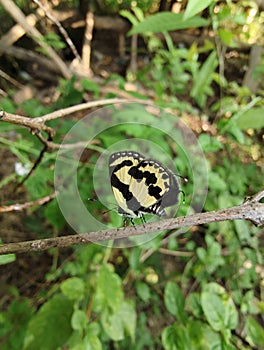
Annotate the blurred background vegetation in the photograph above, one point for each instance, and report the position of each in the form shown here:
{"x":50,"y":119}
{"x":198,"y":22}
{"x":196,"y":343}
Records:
{"x":202,"y":60}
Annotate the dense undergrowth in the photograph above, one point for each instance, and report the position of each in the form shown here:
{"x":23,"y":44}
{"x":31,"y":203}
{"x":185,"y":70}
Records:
{"x":201,"y":289}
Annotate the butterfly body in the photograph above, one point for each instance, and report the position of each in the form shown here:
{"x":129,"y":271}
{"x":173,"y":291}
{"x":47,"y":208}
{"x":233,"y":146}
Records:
{"x":141,"y":185}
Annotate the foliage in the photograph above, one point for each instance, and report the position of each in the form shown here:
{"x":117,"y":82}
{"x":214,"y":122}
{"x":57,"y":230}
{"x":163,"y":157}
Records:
{"x":193,"y":291}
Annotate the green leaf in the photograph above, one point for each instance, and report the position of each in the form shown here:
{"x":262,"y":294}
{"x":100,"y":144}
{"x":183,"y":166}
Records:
{"x":134,"y":258}
{"x":79,"y":320}
{"x":129,"y":16}
{"x":87,"y":339}
{"x":203,"y":79}
{"x":90,"y":85}
{"x":143,"y":291}
{"x":216,"y":182}
{"x":109,"y":291}
{"x":214,"y":310}
{"x":113,"y":325}
{"x":196,"y":6}
{"x":202,"y":336}
{"x":220,"y":311}
{"x":91,"y":342}
{"x":73,"y":288}
{"x":209,"y":144}
{"x":194,"y":304}
{"x":169,"y":338}
{"x":166,"y":21}
{"x":226,"y":36}
{"x":37,"y":184}
{"x":7,"y":105}
{"x":14,"y":323}
{"x":176,"y":337}
{"x":255,"y":333}
{"x":174,"y":301}
{"x":54,"y":215}
{"x":121,"y":322}
{"x":251,"y":119}
{"x":231,"y":315}
{"x":7,"y":259}
{"x":51,"y":326}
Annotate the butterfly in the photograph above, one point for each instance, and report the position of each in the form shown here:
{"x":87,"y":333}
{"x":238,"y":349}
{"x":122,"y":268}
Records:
{"x":141,"y":185}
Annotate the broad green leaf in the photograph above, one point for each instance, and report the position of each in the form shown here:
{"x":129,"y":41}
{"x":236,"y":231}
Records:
{"x":194,"y":304}
{"x":122,"y":322}
{"x":7,"y":105}
{"x":231,"y":315}
{"x":129,"y":316}
{"x":50,"y":328}
{"x":226,"y":36}
{"x":196,"y":6}
{"x":91,"y":342}
{"x":54,"y":215}
{"x":220,"y":311}
{"x":174,"y":301}
{"x":216,"y":183}
{"x":86,"y":340}
{"x":14,"y":323}
{"x":166,"y":21}
{"x":255,"y":333}
{"x":243,"y":231}
{"x":169,"y":338}
{"x":251,"y":119}
{"x":176,"y":337}
{"x":113,"y":325}
{"x":202,"y":336}
{"x":78,"y":320}
{"x":37,"y":184}
{"x":109,"y":291}
{"x":214,"y":310}
{"x":73,"y":288}
{"x":143,"y":291}
{"x":7,"y":258}
{"x":134,"y":258}
{"x":90,"y":85}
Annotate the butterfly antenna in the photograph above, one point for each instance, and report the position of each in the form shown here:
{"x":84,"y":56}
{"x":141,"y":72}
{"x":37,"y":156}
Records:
{"x":115,"y":207}
{"x":185,"y":179}
{"x":184,"y":196}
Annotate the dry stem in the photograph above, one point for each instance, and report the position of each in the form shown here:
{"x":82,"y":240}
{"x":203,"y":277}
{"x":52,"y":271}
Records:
{"x":252,"y":209}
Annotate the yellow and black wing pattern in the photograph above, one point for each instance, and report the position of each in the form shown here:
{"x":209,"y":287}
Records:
{"x":141,"y":185}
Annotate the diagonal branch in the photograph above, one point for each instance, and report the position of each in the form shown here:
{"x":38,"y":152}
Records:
{"x":252,"y":209}
{"x":20,"y":18}
{"x":23,"y":206}
{"x":38,"y":123}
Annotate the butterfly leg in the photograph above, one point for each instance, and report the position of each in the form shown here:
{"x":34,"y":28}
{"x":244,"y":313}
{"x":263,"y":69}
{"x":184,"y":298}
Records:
{"x":132,"y":221}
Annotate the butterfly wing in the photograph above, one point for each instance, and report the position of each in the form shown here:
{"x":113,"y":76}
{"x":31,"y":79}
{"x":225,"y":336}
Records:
{"x":119,"y":165}
{"x":141,"y":185}
{"x":160,"y":189}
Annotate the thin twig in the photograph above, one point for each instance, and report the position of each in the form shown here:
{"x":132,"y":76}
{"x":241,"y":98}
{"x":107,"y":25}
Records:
{"x":61,"y":29}
{"x":38,"y":124}
{"x":52,"y":145}
{"x":20,"y":18}
{"x":251,"y":210}
{"x":23,"y":206}
{"x":10,"y":79}
{"x":174,"y":252}
{"x":35,"y":165}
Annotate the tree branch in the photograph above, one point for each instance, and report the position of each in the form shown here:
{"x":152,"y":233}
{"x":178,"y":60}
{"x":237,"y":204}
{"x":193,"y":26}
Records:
{"x":252,"y":209}
{"x":20,"y":18}
{"x":38,"y":123}
{"x":23,"y":206}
